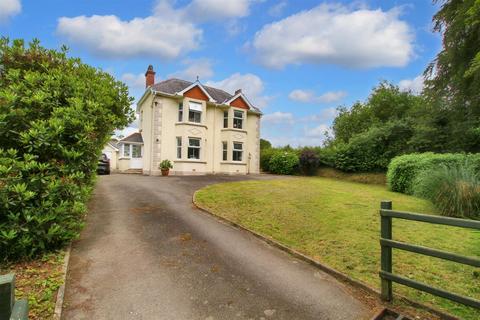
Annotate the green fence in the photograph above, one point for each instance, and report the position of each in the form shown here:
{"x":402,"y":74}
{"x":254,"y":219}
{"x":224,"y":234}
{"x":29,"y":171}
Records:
{"x":387,"y":244}
{"x":9,"y":308}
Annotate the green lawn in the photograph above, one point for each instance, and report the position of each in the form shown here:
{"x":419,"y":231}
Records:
{"x":337,"y":222}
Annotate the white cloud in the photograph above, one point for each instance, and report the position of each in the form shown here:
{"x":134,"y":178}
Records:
{"x":252,"y":86}
{"x":195,"y":67}
{"x":278,"y":118}
{"x":336,"y":34}
{"x":277,"y":9}
{"x":166,"y":34}
{"x":308,"y":96}
{"x":414,"y":85}
{"x":134,"y":81}
{"x":155,"y":36}
{"x":9,"y":8}
{"x":207,"y":10}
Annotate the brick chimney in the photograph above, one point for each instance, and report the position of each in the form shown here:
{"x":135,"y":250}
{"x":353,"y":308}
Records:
{"x":238,"y":91}
{"x":149,"y":77}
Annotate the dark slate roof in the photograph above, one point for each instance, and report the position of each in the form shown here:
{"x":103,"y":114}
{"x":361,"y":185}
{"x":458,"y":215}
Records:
{"x":172,"y":86}
{"x":134,"y":137}
{"x":114,"y":143}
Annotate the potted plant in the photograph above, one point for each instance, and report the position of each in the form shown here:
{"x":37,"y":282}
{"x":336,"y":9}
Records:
{"x":165,"y":166}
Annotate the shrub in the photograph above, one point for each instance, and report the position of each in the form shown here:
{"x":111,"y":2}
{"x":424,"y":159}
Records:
{"x":283,"y":162}
{"x":56,"y":113}
{"x":373,"y":149}
{"x":403,"y":170}
{"x":265,"y":156}
{"x":309,"y":161}
{"x":454,"y":190}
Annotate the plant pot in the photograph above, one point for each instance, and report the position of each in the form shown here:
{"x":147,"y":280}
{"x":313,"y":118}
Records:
{"x":165,"y":172}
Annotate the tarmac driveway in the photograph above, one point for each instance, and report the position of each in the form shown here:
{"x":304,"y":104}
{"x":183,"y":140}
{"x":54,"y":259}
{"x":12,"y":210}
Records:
{"x":148,"y":253}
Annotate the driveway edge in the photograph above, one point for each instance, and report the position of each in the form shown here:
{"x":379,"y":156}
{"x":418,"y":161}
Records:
{"x":61,"y":290}
{"x":336,"y":274}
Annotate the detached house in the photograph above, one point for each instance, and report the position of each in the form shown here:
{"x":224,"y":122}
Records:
{"x":202,"y":130}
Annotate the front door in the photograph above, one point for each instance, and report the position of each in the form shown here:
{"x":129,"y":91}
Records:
{"x":136,"y":161}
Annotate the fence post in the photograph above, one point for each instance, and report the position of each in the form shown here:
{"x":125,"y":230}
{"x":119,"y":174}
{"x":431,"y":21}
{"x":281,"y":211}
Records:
{"x":7,"y":295}
{"x":386,"y":251}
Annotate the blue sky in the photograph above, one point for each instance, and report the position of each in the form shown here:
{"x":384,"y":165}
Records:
{"x":296,"y":60}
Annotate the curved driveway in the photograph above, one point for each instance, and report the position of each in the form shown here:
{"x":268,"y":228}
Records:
{"x":147,"y":253}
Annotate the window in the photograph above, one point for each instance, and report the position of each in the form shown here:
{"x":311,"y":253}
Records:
{"x":179,"y":147}
{"x":136,"y":151}
{"x":193,"y":148}
{"x":224,"y":148}
{"x":180,"y":112}
{"x":225,"y":119}
{"x":237,"y":151}
{"x":126,"y":150}
{"x":195,"y":112}
{"x":238,"y":119}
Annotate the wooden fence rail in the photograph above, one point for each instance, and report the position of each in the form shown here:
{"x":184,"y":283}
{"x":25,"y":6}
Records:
{"x":387,"y":244}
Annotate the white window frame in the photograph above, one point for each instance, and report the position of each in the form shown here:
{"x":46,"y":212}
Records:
{"x":131,"y":151}
{"x":224,"y":150}
{"x":180,"y":112}
{"x":235,"y":119}
{"x":199,"y":147}
{"x":126,"y":147}
{"x":179,"y":147}
{"x":195,"y":108}
{"x":234,"y":150}
{"x":225,"y":118}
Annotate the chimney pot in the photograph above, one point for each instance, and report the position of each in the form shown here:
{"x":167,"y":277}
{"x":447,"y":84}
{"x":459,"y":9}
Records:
{"x":149,"y":77}
{"x":238,"y":91}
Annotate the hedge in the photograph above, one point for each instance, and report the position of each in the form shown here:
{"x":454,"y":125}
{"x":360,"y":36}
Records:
{"x":56,"y":113}
{"x":283,"y":162}
{"x":403,"y":170}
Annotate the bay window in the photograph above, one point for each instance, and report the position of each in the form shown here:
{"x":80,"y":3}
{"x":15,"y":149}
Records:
{"x":225,"y":119}
{"x":180,"y":112}
{"x":194,"y":148}
{"x":238,"y":119}
{"x":237,"y":151}
{"x":179,"y":147}
{"x":195,"y":112}
{"x":224,"y":150}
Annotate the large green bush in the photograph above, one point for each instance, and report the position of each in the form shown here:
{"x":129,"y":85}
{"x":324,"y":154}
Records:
{"x":403,"y":170}
{"x":454,"y":190}
{"x":373,"y":149}
{"x":283,"y":162}
{"x":56,"y":113}
{"x":265,"y":156}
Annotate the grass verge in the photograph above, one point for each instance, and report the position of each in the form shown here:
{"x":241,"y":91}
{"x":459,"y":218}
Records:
{"x":39,"y":281}
{"x":337,"y":223}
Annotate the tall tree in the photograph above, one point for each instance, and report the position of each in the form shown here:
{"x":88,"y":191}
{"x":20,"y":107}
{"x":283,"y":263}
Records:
{"x":454,"y":76}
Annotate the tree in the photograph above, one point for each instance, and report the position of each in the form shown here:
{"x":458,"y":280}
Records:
{"x":453,"y":78}
{"x":265,"y":144}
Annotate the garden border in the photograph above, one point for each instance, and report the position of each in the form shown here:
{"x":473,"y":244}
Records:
{"x":336,"y":274}
{"x":57,"y":315}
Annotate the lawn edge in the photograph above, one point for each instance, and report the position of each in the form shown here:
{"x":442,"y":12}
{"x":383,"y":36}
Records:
{"x":335,"y":273}
{"x":57,"y":315}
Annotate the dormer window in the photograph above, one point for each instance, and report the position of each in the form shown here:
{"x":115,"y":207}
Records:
{"x":195,"y":112}
{"x":238,"y":119}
